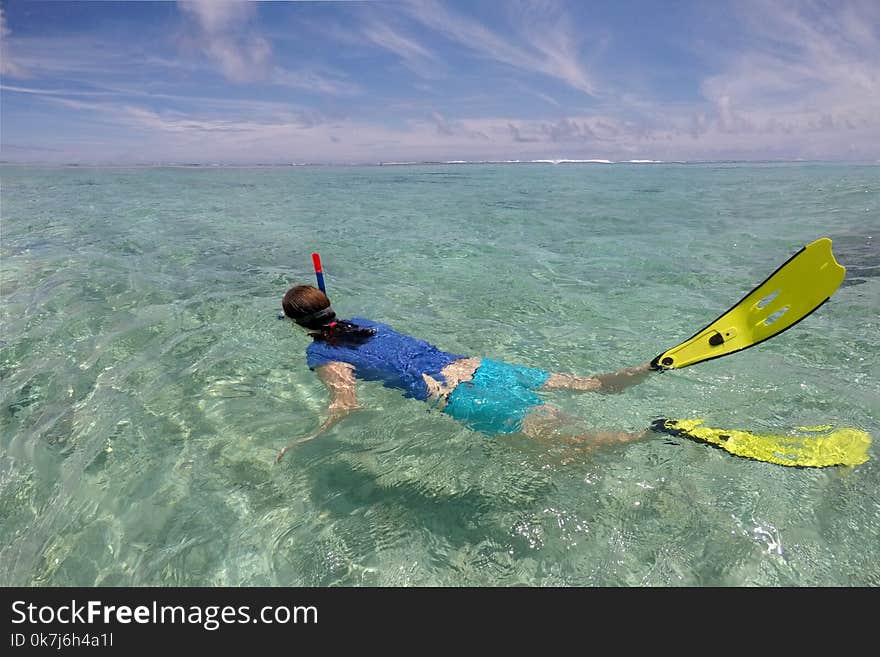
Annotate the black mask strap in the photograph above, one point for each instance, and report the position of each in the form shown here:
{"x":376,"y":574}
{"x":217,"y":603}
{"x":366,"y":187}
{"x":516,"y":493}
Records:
{"x":317,"y":319}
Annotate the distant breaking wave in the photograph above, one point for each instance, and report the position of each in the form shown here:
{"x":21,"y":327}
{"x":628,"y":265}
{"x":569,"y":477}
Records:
{"x":566,"y":161}
{"x":546,"y":161}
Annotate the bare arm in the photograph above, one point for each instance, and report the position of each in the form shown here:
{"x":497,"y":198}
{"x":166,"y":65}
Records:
{"x":611,"y":382}
{"x":340,"y":382}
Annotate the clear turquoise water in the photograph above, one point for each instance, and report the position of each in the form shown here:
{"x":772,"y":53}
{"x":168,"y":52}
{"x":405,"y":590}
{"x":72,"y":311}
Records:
{"x":147,"y":384}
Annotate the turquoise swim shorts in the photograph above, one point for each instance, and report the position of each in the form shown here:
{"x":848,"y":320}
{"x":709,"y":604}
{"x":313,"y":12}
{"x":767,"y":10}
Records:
{"x":498,"y":397}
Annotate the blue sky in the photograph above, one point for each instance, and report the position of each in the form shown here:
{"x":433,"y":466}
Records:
{"x":361,"y":82}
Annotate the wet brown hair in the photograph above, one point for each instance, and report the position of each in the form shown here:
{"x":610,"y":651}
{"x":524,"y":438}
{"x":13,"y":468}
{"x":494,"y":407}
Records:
{"x":310,"y":308}
{"x":303,"y":300}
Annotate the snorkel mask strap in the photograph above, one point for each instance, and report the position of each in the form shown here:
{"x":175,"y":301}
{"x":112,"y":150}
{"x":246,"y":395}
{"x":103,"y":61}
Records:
{"x":313,"y":320}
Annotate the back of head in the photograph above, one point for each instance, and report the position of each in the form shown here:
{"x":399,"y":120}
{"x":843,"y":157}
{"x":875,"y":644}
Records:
{"x":310,"y":308}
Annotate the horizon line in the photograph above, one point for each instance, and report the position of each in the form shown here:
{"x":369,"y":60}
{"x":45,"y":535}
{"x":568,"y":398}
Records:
{"x":395,"y":163}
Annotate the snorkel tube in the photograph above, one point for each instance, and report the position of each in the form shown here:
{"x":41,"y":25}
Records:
{"x":319,"y":274}
{"x":324,"y":325}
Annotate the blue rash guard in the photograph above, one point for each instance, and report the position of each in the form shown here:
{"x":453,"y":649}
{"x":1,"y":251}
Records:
{"x":395,"y":359}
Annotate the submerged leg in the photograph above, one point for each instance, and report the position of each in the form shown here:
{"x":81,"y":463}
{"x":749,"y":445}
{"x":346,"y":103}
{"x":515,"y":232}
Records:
{"x":552,"y":427}
{"x":611,"y":382}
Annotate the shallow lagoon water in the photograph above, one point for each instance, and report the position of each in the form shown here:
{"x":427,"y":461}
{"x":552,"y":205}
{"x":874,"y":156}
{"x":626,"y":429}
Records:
{"x":147,"y":384}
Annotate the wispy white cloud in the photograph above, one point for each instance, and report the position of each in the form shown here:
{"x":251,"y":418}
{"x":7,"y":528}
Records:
{"x":219,"y":16}
{"x":249,"y":118}
{"x":37,"y":91}
{"x":547,"y":46}
{"x":229,"y":38}
{"x":810,"y":68}
{"x":537,"y":94}
{"x":112,"y":102}
{"x":242,"y":55}
{"x":87,"y":59}
{"x":415,"y":56}
{"x":313,"y":82}
{"x":8,"y":66}
{"x":241,"y":60}
{"x":457,"y":129}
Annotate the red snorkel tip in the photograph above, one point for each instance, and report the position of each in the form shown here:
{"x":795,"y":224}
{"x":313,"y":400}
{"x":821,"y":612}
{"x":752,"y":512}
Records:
{"x":319,"y":274}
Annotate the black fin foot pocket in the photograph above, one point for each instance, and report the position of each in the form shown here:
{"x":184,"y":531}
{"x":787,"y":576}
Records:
{"x":664,"y":425}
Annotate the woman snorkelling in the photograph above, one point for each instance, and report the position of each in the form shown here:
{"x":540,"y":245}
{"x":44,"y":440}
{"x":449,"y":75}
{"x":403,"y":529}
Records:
{"x":487,"y":395}
{"x":495,"y":397}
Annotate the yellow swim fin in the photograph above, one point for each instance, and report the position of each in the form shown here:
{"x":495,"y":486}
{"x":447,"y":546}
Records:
{"x":820,"y":449}
{"x":802,"y":284}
